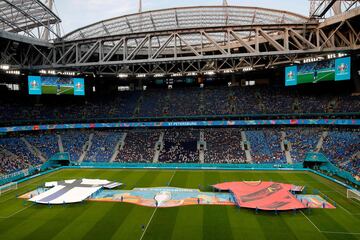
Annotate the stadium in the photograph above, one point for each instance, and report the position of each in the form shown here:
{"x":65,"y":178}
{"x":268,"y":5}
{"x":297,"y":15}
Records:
{"x":205,"y":121}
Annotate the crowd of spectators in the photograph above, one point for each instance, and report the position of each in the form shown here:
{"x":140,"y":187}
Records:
{"x":260,"y":150}
{"x":139,"y":147}
{"x":153,"y":103}
{"x":102,"y":146}
{"x":46,"y":143}
{"x":180,"y":146}
{"x":224,"y":146}
{"x":273,"y":138}
{"x":343,"y":147}
{"x":265,"y":146}
{"x":277,"y":100}
{"x":186,"y":102}
{"x":74,"y":142}
{"x":216,"y":101}
{"x":10,"y":163}
{"x":15,"y":156}
{"x":347,"y":103}
{"x":313,"y":103}
{"x":302,"y":141}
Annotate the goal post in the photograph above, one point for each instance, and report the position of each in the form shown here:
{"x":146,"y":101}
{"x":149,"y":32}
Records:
{"x":8,"y":187}
{"x":352,"y":193}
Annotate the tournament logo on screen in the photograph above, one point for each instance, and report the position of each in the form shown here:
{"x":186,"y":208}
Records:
{"x":291,"y":76}
{"x":342,"y":69}
{"x":79,"y":87}
{"x":34,"y":83}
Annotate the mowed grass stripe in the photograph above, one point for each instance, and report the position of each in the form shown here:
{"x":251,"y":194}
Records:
{"x":162,"y":224}
{"x":271,"y":225}
{"x":338,"y":194}
{"x":327,"y":218}
{"x":109,"y":223}
{"x":49,"y":221}
{"x":89,"y":219}
{"x":296,"y":225}
{"x":24,"y":220}
{"x":244,"y":222}
{"x":216,"y":224}
{"x":190,"y":217}
{"x":183,"y":222}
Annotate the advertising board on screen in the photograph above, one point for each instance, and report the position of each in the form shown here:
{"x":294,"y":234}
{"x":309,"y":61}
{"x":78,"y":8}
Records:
{"x":53,"y":85}
{"x":315,"y":72}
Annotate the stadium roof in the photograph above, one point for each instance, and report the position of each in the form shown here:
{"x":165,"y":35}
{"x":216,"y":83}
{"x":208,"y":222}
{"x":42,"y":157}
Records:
{"x":23,"y":16}
{"x":185,"y":18}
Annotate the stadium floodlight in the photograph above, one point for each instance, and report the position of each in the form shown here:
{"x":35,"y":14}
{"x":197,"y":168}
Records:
{"x":4,"y":67}
{"x":123,"y":75}
{"x":13,"y":72}
{"x":191,"y":74}
{"x":159,"y":75}
{"x":176,"y":74}
{"x":247,"y":69}
{"x":228,"y":71}
{"x":314,"y":59}
{"x":210,"y":73}
{"x":141,"y":75}
{"x":342,"y":55}
{"x":68,"y":73}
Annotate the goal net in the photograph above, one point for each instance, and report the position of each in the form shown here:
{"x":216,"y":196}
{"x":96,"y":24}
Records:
{"x":8,"y":187}
{"x":352,"y":193}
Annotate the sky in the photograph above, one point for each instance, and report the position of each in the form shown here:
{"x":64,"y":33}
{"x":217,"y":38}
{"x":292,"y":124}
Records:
{"x":79,"y":13}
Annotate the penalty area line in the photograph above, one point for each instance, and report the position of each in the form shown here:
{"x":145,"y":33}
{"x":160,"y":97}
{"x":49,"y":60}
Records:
{"x":328,"y":232}
{"x":171,"y":178}
{"x":17,"y":212}
{"x":347,"y":233}
{"x":310,"y":221}
{"x":338,"y":204}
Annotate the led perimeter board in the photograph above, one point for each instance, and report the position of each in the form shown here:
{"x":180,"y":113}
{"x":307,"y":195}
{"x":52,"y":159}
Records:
{"x":314,"y":72}
{"x":53,"y":85}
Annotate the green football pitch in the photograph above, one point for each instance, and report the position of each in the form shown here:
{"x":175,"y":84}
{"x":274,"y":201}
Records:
{"x":321,"y":77}
{"x":100,"y":220}
{"x":53,"y":90}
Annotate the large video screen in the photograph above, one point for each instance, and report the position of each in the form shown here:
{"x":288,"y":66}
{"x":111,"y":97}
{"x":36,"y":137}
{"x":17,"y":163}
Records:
{"x":52,"y":85}
{"x":329,"y":70}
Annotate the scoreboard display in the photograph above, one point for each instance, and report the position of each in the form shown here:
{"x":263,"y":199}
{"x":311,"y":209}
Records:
{"x":39,"y":85}
{"x":329,"y":70}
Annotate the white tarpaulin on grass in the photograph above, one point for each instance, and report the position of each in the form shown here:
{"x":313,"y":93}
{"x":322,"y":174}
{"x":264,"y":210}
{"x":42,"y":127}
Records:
{"x":69,"y":191}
